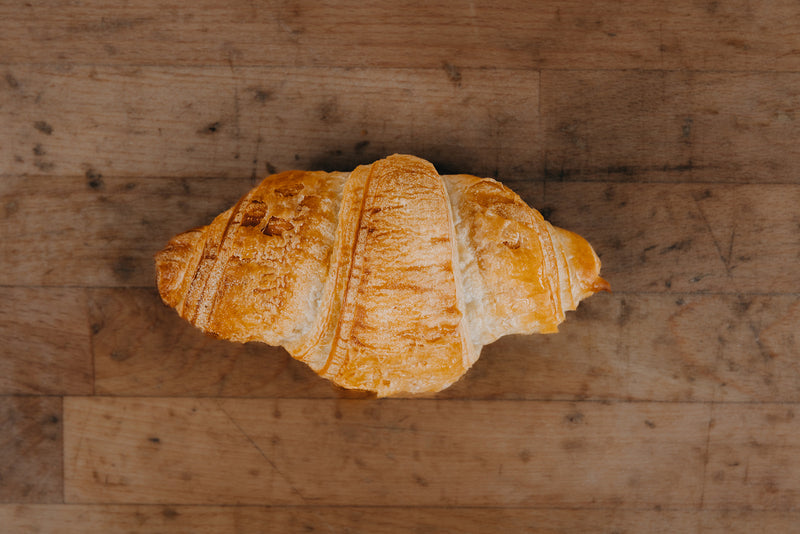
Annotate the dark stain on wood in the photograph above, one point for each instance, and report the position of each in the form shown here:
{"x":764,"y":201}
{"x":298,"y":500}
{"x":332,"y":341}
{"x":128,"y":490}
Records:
{"x":119,"y":355}
{"x":94,"y":179}
{"x":625,"y":313}
{"x":10,"y":208}
{"x":44,"y":166}
{"x":170,"y":513}
{"x":420,"y":480}
{"x":125,"y":268}
{"x":452,"y":72}
{"x":262,"y":95}
{"x":574,"y":418}
{"x":43,"y":127}
{"x":328,"y":110}
{"x":12,"y":82}
{"x":572,"y":445}
{"x":211,"y":128}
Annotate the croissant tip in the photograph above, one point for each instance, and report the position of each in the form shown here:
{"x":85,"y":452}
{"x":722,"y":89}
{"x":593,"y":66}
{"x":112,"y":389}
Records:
{"x":601,"y":284}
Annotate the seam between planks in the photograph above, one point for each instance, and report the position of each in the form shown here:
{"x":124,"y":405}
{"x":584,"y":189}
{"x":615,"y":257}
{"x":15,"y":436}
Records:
{"x":345,"y":67}
{"x":659,"y":509}
{"x":536,"y":181}
{"x":608,"y":401}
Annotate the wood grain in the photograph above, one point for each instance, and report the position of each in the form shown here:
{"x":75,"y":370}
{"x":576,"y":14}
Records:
{"x":236,"y":122}
{"x":671,"y":126}
{"x":629,"y":347}
{"x":752,"y":457}
{"x":687,"y":238}
{"x":134,"y":519}
{"x":46,"y":342}
{"x":650,"y":237}
{"x":382,"y":453}
{"x":553,"y":34}
{"x":597,"y":125}
{"x":31,"y":450}
{"x":107,"y":229}
{"x":671,"y":348}
{"x":142,"y":347}
{"x":665,"y":133}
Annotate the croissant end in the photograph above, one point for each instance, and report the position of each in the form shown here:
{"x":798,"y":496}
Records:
{"x":390,"y":278}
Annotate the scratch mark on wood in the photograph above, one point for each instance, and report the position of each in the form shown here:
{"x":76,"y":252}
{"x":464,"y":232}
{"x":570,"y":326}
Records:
{"x":254,"y":172}
{"x":272,"y":464}
{"x":237,"y":134}
{"x":705,"y":455}
{"x":726,"y":262}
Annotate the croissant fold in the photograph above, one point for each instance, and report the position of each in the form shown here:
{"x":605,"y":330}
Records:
{"x":390,"y":278}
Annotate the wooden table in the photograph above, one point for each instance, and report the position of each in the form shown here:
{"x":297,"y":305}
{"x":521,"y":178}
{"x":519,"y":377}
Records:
{"x":667,"y":133}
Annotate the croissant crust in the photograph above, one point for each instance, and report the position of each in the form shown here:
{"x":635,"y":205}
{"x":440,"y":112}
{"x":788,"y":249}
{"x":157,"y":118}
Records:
{"x":390,"y":278}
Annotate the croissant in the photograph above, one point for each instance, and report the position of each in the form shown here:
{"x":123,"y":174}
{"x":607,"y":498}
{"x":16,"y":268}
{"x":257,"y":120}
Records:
{"x":390,"y":278}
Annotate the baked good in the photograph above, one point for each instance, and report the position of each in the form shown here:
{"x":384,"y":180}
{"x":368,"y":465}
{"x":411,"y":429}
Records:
{"x":389,"y":278}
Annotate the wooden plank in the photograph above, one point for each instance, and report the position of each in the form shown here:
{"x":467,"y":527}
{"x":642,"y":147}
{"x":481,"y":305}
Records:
{"x":30,"y":450}
{"x":688,"y":238}
{"x":549,"y":33}
{"x":651,"y":237}
{"x":752,"y":461}
{"x":142,"y":347}
{"x":615,"y":347}
{"x":731,"y":36}
{"x":107,"y":229}
{"x":98,"y":121}
{"x":347,"y":452}
{"x":671,"y":126}
{"x":651,"y":348}
{"x":101,"y":519}
{"x":46,"y":339}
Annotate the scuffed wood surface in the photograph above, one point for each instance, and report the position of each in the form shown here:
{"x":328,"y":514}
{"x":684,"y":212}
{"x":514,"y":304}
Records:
{"x":667,"y":135}
{"x":31,"y":432}
{"x":230,"y":121}
{"x":659,"y":237}
{"x":423,"y":453}
{"x":638,"y":126}
{"x":659,"y":125}
{"x":549,"y":34}
{"x":46,"y":342}
{"x":103,"y":518}
{"x":625,"y":347}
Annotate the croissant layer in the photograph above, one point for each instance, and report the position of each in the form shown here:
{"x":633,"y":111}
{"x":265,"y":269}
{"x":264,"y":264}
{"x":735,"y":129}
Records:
{"x":389,"y":278}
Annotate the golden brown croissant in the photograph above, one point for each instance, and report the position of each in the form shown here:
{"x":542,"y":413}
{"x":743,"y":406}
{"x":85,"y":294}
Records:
{"x":390,"y":278}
